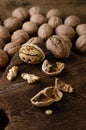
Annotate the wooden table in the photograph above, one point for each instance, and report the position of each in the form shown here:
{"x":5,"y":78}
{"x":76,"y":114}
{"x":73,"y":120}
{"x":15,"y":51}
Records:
{"x":15,"y":105}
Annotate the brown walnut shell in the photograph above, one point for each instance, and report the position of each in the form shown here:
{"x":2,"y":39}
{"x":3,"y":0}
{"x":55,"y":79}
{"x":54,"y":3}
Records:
{"x":72,"y":21}
{"x":55,"y":21}
{"x":46,"y":97}
{"x":65,"y":30}
{"x":52,"y":69}
{"x":38,"y":19}
{"x":81,"y":29}
{"x":2,"y":43}
{"x":81,"y":43}
{"x":45,"y":31}
{"x":59,"y":46}
{"x":34,"y":10}
{"x":53,"y":12}
{"x":20,"y":35}
{"x":20,"y":13}
{"x":12,"y":23}
{"x":31,"y":53}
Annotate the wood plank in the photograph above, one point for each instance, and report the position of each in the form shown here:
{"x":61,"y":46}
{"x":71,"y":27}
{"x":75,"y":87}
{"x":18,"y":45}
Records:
{"x":70,"y":112}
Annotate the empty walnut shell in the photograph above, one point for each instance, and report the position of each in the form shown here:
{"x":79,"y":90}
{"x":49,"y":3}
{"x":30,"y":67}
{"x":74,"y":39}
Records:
{"x":31,"y":53}
{"x":52,"y":69}
{"x":46,"y":97}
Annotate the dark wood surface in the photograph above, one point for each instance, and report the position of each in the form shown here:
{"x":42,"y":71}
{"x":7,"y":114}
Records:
{"x":70,"y":112}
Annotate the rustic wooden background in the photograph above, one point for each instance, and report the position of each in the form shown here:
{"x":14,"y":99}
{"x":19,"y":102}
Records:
{"x":70,"y":112}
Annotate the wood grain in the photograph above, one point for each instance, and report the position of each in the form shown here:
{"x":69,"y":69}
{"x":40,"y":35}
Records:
{"x":70,"y":112}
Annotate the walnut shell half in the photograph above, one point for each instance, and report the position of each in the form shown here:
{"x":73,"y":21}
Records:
{"x":52,"y":69}
{"x":46,"y":97}
{"x":31,"y":53}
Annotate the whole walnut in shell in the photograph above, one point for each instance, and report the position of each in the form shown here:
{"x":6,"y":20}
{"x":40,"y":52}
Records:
{"x":45,"y":31}
{"x":12,"y":47}
{"x":34,"y":10}
{"x":59,"y":46}
{"x":34,"y":40}
{"x":54,"y":21}
{"x":53,"y":12}
{"x":3,"y":58}
{"x":65,"y":30}
{"x":20,"y":13}
{"x":20,"y":35}
{"x":81,"y":43}
{"x":81,"y":29}
{"x":4,"y":34}
{"x":30,"y":27}
{"x":72,"y":21}
{"x":38,"y":19}
{"x":12,"y":23}
{"x":31,"y":53}
{"x":2,"y":43}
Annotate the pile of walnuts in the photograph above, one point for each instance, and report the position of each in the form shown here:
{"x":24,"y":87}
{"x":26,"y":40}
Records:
{"x":31,"y":24}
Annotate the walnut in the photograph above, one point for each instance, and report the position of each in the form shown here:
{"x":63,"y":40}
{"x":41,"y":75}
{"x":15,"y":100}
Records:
{"x":12,"y":73}
{"x":34,"y":10}
{"x":34,"y":40}
{"x":65,"y":30}
{"x":20,"y":35}
{"x":72,"y":21}
{"x":4,"y":34}
{"x":30,"y":27}
{"x":81,"y":29}
{"x":31,"y":53}
{"x":63,"y":86}
{"x":38,"y":19}
{"x":2,"y":43}
{"x":45,"y":31}
{"x":12,"y":47}
{"x":52,"y":69}
{"x":31,"y":78}
{"x":12,"y":23}
{"x":59,"y":46}
{"x":3,"y":58}
{"x":48,"y":112}
{"x":54,"y":21}
{"x":53,"y":12}
{"x":20,"y":13}
{"x":81,"y":43}
{"x":46,"y":97}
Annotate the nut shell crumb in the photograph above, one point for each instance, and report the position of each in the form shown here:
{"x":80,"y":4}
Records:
{"x":48,"y":112}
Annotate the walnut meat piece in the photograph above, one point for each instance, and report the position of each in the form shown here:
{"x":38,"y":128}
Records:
{"x":3,"y":58}
{"x":12,"y":73}
{"x":72,"y":21}
{"x":54,"y":21}
{"x":31,"y":53}
{"x":59,"y":46}
{"x":2,"y":43}
{"x":53,"y":12}
{"x":45,"y":31}
{"x":20,"y":13}
{"x":65,"y":30}
{"x":46,"y":97}
{"x":52,"y":69}
{"x":31,"y":78}
{"x":63,"y":86}
{"x":81,"y":43}
{"x":81,"y":29}
{"x":4,"y":34}
{"x":20,"y":35}
{"x":38,"y":19}
{"x":11,"y":48}
{"x":34,"y":10}
{"x":30,"y":27}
